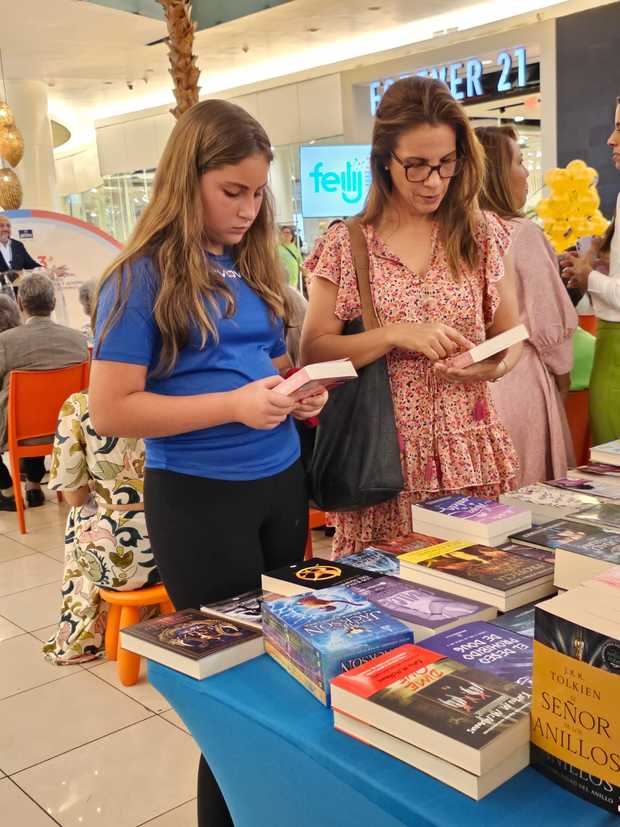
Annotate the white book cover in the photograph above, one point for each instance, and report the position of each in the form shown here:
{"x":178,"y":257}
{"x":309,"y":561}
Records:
{"x":491,"y":346}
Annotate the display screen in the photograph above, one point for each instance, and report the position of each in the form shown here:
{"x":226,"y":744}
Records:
{"x":334,"y":180}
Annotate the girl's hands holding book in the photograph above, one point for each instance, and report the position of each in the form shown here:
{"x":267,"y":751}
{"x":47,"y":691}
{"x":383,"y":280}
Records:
{"x":434,"y":340}
{"x":311,"y":406}
{"x":258,"y":406}
{"x":489,"y":370}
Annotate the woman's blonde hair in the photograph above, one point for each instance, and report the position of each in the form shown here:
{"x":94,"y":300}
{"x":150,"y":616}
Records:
{"x":417,"y":101}
{"x":497,"y":194}
{"x":171,"y":231}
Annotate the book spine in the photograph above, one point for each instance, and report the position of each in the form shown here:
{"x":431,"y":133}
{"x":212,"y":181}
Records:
{"x":295,"y":672}
{"x":292,"y":644}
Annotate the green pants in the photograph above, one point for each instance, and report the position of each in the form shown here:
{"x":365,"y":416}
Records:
{"x":605,"y":384}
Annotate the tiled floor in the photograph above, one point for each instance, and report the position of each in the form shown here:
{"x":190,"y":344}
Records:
{"x":77,"y":747}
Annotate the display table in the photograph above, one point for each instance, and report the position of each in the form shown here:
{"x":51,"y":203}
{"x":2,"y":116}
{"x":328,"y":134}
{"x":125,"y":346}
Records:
{"x":280,"y":763}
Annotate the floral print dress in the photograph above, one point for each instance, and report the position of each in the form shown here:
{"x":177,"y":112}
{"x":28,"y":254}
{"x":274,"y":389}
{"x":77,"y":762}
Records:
{"x":104,"y":547}
{"x":451,"y":438}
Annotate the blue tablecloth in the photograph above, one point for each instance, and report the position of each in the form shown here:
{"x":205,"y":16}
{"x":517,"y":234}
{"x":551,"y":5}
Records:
{"x":280,"y":763}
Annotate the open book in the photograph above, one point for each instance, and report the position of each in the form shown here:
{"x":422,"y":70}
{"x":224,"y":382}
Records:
{"x":311,"y":379}
{"x":489,"y":348}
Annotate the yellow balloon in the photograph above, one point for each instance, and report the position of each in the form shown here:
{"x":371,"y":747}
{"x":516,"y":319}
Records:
{"x":560,"y":207}
{"x":543,"y":208}
{"x":580,"y":227}
{"x":552,"y":175}
{"x":593,"y":175}
{"x":575,"y":165}
{"x":562,"y":185}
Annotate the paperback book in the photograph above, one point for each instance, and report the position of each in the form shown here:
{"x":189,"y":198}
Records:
{"x":408,"y":542}
{"x":463,"y":715}
{"x":246,"y":608}
{"x":520,"y":621}
{"x":544,"y":554}
{"x":423,"y":609}
{"x":490,"y":347}
{"x":371,"y":559}
{"x":312,"y":378}
{"x":588,"y":487}
{"x":547,"y":503}
{"x":604,"y":515}
{"x":492,"y":575}
{"x":576,"y":685}
{"x":330,"y":632}
{"x":311,"y":575}
{"x":507,"y":655}
{"x":608,"y":453}
{"x":193,"y":643}
{"x":600,"y":469}
{"x":475,"y":518}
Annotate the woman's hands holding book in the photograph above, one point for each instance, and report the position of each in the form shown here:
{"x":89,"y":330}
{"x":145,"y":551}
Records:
{"x":258,"y":406}
{"x":489,"y":370}
{"x":434,"y":340}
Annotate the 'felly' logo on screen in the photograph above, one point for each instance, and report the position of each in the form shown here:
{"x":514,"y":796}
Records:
{"x":350,"y":181}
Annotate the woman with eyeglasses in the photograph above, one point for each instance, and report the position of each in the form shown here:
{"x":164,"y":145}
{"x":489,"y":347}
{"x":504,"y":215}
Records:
{"x":442,"y":280}
{"x":542,"y":438}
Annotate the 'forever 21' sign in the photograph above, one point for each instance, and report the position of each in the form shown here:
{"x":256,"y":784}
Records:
{"x":466,"y":79}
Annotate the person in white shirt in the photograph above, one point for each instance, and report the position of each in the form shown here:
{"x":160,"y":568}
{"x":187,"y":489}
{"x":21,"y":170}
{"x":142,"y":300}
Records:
{"x":598,"y":272}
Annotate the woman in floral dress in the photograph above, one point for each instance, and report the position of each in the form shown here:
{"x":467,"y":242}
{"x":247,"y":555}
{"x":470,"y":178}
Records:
{"x":442,"y":280}
{"x":106,"y":542}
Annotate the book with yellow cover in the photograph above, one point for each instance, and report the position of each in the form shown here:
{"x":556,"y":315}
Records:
{"x":576,"y":686}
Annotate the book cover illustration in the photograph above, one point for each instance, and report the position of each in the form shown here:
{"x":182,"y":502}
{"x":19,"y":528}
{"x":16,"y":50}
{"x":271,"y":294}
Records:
{"x":488,"y":566}
{"x":575,"y":712}
{"x":476,"y":509}
{"x":593,"y":541}
{"x":408,"y":542}
{"x":589,"y":487}
{"x":464,"y":703}
{"x":371,"y":559}
{"x":519,"y":620}
{"x":244,"y":607}
{"x":415,"y":603}
{"x":507,"y":655}
{"x":191,"y":633}
{"x":543,"y":554}
{"x":340,"y":628}
{"x":556,"y":494}
{"x":316,"y":573}
{"x":604,"y":515}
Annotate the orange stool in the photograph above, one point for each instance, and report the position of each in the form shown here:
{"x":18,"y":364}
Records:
{"x":125,"y":611}
{"x":316,"y":519}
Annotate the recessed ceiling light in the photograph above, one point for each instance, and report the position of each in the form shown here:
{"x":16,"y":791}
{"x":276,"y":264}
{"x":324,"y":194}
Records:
{"x":519,"y":118}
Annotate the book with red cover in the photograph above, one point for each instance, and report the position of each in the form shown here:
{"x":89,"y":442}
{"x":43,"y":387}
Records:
{"x":472,"y":718}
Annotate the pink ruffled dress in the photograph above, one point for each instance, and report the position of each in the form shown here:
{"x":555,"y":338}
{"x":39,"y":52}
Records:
{"x":451,"y":437}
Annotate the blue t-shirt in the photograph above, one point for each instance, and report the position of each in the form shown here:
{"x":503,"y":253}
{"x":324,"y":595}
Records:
{"x":248,"y":341}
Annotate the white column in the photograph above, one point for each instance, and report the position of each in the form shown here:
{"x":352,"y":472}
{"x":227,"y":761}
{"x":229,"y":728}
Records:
{"x":36,"y":170}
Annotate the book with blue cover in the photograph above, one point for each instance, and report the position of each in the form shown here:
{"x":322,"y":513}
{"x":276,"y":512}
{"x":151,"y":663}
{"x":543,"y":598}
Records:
{"x":329,"y":632}
{"x":518,"y":620}
{"x":483,"y":646}
{"x":371,"y":559}
{"x":423,"y":609}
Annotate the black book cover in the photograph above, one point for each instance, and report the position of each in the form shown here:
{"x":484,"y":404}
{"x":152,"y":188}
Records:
{"x":580,"y":538}
{"x":321,"y":574}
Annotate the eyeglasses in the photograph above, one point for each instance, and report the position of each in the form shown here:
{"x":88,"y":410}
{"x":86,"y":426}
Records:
{"x":417,"y":173}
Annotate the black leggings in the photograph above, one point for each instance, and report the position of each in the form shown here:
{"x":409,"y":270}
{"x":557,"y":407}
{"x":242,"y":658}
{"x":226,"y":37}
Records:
{"x":33,"y":468}
{"x":211,"y":540}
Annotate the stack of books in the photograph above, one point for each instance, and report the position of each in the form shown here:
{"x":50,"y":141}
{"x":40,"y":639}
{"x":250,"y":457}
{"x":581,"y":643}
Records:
{"x":590,"y":484}
{"x":608,"y":453}
{"x":317,"y":635}
{"x":581,"y":550}
{"x":193,"y":643}
{"x":246,"y":608}
{"x":490,"y":575}
{"x":547,"y":502}
{"x":469,"y":518}
{"x":576,"y":687}
{"x":465,"y":727}
{"x":484,"y":646}
{"x":426,"y":611}
{"x":602,"y":515}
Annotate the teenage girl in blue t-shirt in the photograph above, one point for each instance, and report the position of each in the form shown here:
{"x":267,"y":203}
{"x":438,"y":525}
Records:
{"x":189,"y":348}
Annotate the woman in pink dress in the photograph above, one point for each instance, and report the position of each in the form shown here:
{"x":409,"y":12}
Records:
{"x":539,"y":430}
{"x":441,"y":279}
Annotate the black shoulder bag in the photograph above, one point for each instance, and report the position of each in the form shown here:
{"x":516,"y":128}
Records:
{"x":356,"y":461}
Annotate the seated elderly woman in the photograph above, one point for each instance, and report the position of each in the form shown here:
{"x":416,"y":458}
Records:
{"x":106,"y":541}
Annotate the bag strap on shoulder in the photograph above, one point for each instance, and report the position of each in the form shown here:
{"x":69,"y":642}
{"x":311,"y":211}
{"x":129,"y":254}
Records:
{"x":361,"y":262}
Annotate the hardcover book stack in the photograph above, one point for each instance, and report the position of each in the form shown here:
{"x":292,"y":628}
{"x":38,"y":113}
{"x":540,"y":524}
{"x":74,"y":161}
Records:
{"x":500,"y":578}
{"x":465,"y":727}
{"x":469,"y":518}
{"x":317,"y":635}
{"x":576,"y":689}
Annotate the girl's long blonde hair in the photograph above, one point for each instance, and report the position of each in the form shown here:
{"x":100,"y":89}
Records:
{"x":416,"y":101}
{"x":171,"y":232}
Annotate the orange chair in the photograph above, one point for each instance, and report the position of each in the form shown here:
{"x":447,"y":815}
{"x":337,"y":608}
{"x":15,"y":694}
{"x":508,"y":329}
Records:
{"x":588,"y":323}
{"x":35,"y":399}
{"x":125,"y":611}
{"x":578,"y":415}
{"x":316,"y":519}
